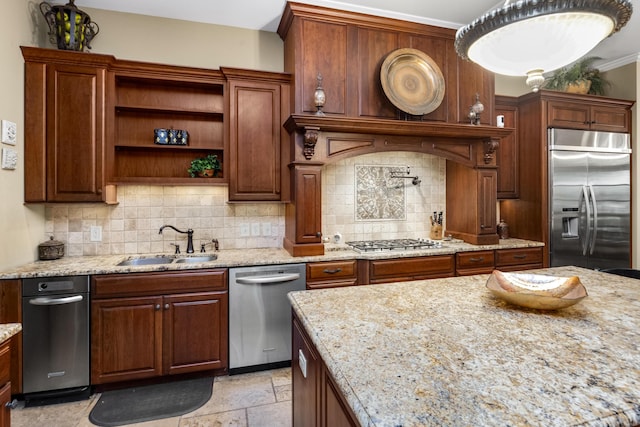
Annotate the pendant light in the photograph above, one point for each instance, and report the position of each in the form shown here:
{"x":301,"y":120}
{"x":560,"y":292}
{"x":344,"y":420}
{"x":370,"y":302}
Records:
{"x":531,"y":37}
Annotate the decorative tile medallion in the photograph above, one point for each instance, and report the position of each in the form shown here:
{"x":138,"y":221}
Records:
{"x":378,"y":195}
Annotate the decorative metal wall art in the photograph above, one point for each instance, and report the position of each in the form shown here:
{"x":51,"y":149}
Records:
{"x":69,"y":27}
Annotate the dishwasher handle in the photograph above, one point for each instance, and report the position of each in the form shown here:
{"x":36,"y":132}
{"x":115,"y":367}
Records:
{"x":55,"y":301}
{"x":275,"y":278}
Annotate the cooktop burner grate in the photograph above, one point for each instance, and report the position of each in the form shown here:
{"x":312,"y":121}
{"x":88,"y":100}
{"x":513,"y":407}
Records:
{"x":393,"y":245}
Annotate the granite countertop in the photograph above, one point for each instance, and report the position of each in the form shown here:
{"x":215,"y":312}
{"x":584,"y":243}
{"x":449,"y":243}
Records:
{"x":69,"y":266}
{"x":7,"y":330}
{"x":447,"y":352}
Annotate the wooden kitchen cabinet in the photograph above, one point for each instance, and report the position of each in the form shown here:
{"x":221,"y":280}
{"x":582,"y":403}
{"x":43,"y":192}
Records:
{"x":332,"y":274}
{"x":404,"y":269}
{"x":65,"y":133}
{"x":316,"y":398}
{"x":154,"y":324}
{"x":578,"y":114}
{"x":303,"y":235}
{"x":11,"y":312}
{"x":305,"y":378}
{"x":5,"y":384}
{"x":507,"y":153}
{"x":519,"y":259}
{"x":476,"y":190}
{"x":258,"y":107}
{"x":528,"y":215}
{"x":477,"y":262}
{"x":157,"y":96}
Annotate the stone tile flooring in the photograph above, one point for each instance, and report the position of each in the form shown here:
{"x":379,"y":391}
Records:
{"x":259,"y":399}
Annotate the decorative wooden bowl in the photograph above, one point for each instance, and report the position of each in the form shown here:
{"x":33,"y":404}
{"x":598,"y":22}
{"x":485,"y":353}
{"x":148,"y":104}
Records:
{"x":536,"y":291}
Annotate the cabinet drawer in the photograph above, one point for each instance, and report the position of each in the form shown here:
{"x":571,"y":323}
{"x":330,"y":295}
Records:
{"x":5,"y":363}
{"x":474,"y":259}
{"x":331,"y":270}
{"x":402,"y":269}
{"x":140,"y":284}
{"x":331,"y":274}
{"x":507,"y":257}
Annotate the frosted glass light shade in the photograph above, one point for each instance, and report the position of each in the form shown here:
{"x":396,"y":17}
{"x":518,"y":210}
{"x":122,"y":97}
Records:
{"x":531,"y":37}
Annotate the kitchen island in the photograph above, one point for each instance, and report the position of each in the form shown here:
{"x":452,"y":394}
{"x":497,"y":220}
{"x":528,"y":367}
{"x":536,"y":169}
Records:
{"x":447,"y":352}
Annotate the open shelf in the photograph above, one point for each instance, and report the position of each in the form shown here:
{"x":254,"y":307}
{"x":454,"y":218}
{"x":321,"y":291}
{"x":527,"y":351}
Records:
{"x":177,"y":100}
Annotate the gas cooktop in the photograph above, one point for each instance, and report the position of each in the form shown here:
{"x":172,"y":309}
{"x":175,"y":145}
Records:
{"x":393,"y":245}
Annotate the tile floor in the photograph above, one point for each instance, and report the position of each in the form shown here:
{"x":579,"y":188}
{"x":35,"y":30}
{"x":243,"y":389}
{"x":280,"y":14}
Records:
{"x":259,"y":399}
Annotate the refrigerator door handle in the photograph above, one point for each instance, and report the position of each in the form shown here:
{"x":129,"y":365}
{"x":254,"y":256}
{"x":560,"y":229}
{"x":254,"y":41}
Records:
{"x":584,"y":198}
{"x":594,"y":228}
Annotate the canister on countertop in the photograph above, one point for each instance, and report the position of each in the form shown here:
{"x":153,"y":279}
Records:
{"x":503,"y":230}
{"x":51,"y":249}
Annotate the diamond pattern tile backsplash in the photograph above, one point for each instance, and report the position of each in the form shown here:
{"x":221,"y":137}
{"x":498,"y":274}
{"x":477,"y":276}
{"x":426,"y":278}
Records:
{"x":381,"y":208}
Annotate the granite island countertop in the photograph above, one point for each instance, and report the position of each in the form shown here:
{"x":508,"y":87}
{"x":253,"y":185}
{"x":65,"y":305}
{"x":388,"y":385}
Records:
{"x":107,"y":264}
{"x":447,"y":352}
{"x":7,"y":330}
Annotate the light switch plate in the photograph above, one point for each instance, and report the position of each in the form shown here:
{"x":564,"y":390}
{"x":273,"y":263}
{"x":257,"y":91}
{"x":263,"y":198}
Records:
{"x":96,"y":233}
{"x":9,"y":132}
{"x":9,"y":158}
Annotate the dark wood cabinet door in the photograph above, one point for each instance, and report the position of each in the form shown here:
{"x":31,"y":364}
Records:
{"x":11,"y":312}
{"x":195,"y":332}
{"x":335,"y":412}
{"x":5,"y":411}
{"x":255,"y":126}
{"x":75,"y":110}
{"x":308,"y":210}
{"x":305,"y":376}
{"x":126,"y":339}
{"x":487,"y":201}
{"x":610,"y":119}
{"x":507,"y":153}
{"x":571,"y":115}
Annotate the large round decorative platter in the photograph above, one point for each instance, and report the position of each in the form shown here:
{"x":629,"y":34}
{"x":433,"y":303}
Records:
{"x":412,"y":81}
{"x":536,"y":291}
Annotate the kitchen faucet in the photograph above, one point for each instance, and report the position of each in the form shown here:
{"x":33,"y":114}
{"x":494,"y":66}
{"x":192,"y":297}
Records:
{"x":189,"y":234}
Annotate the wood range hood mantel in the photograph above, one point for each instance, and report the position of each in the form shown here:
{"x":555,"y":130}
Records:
{"x":347,"y":50}
{"x":327,"y":139}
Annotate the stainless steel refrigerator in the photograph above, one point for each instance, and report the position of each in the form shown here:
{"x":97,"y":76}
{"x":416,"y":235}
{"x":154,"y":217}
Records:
{"x":589,"y":198}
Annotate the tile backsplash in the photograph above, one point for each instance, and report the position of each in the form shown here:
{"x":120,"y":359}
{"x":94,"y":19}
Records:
{"x":132,"y":226}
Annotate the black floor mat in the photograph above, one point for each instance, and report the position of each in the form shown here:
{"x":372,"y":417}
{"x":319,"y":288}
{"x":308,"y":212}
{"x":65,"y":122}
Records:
{"x":153,"y":402}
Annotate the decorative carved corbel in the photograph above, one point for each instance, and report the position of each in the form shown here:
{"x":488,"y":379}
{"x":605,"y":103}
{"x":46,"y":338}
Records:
{"x":490,"y":148}
{"x":310,"y":140}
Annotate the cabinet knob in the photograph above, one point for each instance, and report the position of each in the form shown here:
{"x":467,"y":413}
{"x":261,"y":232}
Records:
{"x":480,"y":259}
{"x":319,"y":234}
{"x":12,"y":405}
{"x":166,"y":306}
{"x":157,"y":307}
{"x":334,"y":271}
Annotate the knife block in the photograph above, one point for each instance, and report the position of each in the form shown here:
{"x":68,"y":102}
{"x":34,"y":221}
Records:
{"x":436,"y":232}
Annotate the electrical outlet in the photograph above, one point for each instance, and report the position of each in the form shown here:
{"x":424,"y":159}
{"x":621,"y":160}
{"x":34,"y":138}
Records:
{"x":266,"y":229}
{"x":9,"y":158}
{"x":96,"y":233}
{"x":244,"y":230}
{"x":9,"y":132}
{"x":255,"y":228}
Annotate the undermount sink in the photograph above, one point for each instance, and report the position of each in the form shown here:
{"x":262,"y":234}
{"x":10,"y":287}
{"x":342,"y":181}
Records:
{"x":147,"y":261}
{"x":194,"y":259}
{"x":167,"y":260}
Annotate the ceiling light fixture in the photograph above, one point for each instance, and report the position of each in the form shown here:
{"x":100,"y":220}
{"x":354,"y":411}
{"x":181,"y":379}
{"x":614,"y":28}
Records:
{"x":531,"y":37}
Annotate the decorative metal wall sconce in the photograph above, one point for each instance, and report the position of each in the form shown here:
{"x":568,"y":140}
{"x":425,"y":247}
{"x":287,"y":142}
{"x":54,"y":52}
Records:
{"x":69,"y":27}
{"x":475,"y":111}
{"x":319,"y":96}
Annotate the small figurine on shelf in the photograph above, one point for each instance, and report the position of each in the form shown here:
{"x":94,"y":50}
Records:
{"x":475,"y":111}
{"x":319,"y":96}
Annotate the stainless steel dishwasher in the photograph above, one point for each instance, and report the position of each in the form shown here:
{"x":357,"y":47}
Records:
{"x":260,"y":315}
{"x":55,"y":334}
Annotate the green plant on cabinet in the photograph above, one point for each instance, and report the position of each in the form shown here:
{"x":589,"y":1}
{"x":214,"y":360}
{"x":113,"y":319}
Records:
{"x":206,"y":167}
{"x":581,"y":77}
